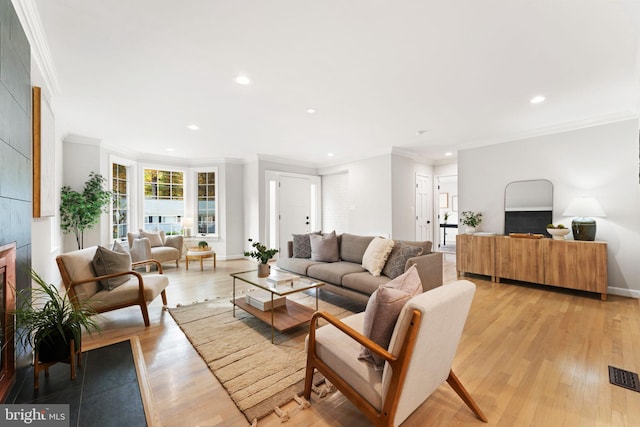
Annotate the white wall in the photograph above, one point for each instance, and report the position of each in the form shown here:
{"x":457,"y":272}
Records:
{"x":335,"y":202}
{"x":599,"y":161}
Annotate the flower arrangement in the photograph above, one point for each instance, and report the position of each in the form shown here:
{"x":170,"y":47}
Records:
{"x":471,"y":218}
{"x":261,"y":253}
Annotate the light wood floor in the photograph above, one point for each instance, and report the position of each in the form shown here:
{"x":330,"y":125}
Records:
{"x":530,"y":356}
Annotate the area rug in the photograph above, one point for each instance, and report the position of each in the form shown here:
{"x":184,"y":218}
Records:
{"x":257,"y":375}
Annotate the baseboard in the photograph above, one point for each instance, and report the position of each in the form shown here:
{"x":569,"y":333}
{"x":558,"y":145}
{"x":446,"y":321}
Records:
{"x":623,"y":292}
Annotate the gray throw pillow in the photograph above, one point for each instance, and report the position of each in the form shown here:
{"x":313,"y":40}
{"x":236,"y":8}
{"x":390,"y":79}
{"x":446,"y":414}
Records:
{"x":383,"y":309}
{"x":302,"y":245}
{"x":107,"y":262}
{"x":398,"y":259}
{"x":324,"y":247}
{"x":155,"y":240}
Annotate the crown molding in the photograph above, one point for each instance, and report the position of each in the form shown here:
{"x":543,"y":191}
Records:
{"x":80,"y":139}
{"x":30,"y":19}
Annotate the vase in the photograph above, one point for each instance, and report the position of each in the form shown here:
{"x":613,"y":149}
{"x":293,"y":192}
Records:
{"x":469,"y":229}
{"x":264,"y":270}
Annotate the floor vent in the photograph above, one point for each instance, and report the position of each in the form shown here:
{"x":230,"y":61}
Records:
{"x":624,"y":378}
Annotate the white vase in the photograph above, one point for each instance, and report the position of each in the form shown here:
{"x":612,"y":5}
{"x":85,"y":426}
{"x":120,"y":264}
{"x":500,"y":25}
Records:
{"x":469,"y":229}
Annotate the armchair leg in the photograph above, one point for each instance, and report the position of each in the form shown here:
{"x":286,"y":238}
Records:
{"x":457,"y":386}
{"x":163,"y":294}
{"x":145,"y":314}
{"x":308,"y":379}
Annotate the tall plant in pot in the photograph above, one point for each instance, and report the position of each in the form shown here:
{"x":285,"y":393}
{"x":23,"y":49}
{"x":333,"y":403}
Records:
{"x":46,"y":321}
{"x":80,"y":211}
{"x":262,"y":254}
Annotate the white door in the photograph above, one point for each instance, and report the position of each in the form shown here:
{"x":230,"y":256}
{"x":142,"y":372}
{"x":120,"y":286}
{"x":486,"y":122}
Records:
{"x":423,"y":208}
{"x":294,"y":197}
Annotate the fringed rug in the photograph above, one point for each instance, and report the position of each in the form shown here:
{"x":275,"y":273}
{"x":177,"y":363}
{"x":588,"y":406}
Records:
{"x":258,"y":375}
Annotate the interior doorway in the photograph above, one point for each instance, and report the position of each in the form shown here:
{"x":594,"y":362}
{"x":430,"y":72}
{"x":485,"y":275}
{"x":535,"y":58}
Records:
{"x":447,"y":213}
{"x":423,"y":208}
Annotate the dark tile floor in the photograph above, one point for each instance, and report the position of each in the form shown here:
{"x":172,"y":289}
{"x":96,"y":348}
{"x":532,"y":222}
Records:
{"x":104,"y":393}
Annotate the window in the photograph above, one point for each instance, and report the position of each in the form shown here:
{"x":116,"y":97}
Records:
{"x":207,"y":202}
{"x":163,"y":200}
{"x":120,"y":205}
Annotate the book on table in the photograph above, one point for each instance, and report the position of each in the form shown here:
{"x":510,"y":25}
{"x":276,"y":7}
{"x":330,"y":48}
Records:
{"x":262,"y":300}
{"x":278,"y":277}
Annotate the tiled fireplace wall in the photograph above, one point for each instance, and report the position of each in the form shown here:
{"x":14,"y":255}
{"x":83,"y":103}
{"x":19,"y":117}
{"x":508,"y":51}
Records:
{"x":15,"y":143}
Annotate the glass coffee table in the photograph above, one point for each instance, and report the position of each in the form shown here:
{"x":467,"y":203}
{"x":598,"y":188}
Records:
{"x":282,"y":318}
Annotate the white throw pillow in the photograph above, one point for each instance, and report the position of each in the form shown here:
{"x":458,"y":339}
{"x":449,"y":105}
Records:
{"x":376,"y":255}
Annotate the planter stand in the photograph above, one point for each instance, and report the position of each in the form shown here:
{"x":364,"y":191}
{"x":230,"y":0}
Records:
{"x":39,"y":366}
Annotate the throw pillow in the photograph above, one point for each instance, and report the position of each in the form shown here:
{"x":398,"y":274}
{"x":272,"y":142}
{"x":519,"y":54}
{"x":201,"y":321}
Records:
{"x":398,"y":259}
{"x":107,"y":262}
{"x":324,"y":247}
{"x":117,"y":247}
{"x":154,"y":238}
{"x":383,"y":309}
{"x":302,"y":245}
{"x":376,"y":255}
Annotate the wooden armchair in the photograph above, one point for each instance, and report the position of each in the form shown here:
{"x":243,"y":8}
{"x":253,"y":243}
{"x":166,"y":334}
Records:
{"x":83,"y":287}
{"x":418,"y":360}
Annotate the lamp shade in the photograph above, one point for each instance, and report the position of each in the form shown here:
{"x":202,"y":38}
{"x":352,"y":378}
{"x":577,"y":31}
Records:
{"x":584,"y":207}
{"x":187,"y":222}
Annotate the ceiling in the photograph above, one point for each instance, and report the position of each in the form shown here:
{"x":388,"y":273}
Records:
{"x":420,"y":77}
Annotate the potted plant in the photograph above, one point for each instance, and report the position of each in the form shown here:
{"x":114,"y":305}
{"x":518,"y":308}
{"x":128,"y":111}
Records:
{"x":203,"y":245}
{"x":262,"y":255}
{"x":471,"y":220}
{"x":81,"y":211}
{"x":46,"y":321}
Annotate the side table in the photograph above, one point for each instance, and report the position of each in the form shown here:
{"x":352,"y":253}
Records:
{"x":195,"y":253}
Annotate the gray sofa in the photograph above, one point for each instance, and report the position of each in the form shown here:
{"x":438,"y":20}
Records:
{"x":348,"y":278}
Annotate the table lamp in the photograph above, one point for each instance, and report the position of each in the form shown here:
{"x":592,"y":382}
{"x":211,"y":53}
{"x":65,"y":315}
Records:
{"x":584,"y":208}
{"x":187,"y":225}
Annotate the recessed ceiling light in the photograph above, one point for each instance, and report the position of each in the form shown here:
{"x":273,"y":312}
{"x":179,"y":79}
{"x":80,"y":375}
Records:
{"x":311,"y":110}
{"x":171,"y":149}
{"x":193,"y":127}
{"x":243,"y":80}
{"x":537,"y":99}
{"x":449,"y":153}
{"x":421,"y":132}
{"x":330,"y":154}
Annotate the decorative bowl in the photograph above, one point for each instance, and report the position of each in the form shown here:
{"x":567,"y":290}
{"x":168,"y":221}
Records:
{"x":558,"y":233}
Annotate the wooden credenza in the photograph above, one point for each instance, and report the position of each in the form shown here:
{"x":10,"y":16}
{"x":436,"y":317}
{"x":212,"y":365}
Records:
{"x":569,"y":264}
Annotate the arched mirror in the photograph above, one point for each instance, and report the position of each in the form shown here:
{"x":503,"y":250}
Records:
{"x":528,"y":206}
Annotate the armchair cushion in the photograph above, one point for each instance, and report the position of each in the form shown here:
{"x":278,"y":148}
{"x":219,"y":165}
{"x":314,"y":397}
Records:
{"x":154,"y":238}
{"x":107,"y":262}
{"x":129,"y":292}
{"x":383,"y":309}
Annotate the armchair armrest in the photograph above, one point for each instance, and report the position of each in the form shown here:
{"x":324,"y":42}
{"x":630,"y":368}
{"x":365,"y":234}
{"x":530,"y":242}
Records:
{"x":429,"y":269}
{"x":357,"y":336}
{"x":175,"y":242}
{"x":140,"y":250}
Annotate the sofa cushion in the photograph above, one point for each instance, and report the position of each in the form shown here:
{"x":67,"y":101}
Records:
{"x":398,"y":259}
{"x":295,"y":265}
{"x":155,"y":240}
{"x":324,"y":247}
{"x":376,"y":255}
{"x":333,"y":273}
{"x":383,"y":309}
{"x":363,"y":282}
{"x":107,"y":262}
{"x":352,"y":247}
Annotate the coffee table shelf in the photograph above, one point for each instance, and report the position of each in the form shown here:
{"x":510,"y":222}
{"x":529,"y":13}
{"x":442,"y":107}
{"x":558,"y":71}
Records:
{"x":285,"y":317}
{"x":281,"y":318}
